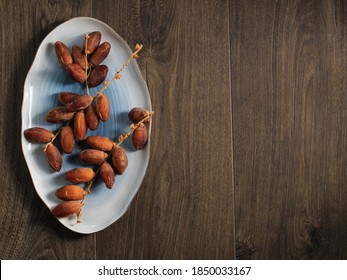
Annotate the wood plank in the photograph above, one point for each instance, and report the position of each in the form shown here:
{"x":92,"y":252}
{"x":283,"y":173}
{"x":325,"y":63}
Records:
{"x":289,"y":126}
{"x":28,"y":230}
{"x":184,"y":209}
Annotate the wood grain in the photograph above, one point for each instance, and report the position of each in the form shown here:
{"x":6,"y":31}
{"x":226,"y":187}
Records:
{"x":248,"y":146}
{"x":184,"y":209}
{"x":28,"y":230}
{"x":289,"y":127}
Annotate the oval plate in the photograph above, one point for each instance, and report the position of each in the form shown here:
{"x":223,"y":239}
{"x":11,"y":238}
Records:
{"x":45,"y":79}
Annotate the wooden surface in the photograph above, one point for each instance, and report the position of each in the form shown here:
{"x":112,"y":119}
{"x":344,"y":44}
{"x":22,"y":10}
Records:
{"x":248,"y":156}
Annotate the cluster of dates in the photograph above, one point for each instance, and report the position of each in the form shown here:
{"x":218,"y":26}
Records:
{"x":78,"y":111}
{"x":84,"y":64}
{"x":110,"y":158}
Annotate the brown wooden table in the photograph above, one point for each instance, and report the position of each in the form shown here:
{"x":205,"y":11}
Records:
{"x":249,"y":139}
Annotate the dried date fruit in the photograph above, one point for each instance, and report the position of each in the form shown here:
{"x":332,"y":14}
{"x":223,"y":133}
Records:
{"x":63,"y":53}
{"x":92,"y":118}
{"x":93,"y":41}
{"x":79,"y":103}
{"x":59,"y":115}
{"x":76,"y":72}
{"x":92,"y":156}
{"x":70,"y":192}
{"x":80,"y":126}
{"x":54,"y":157}
{"x":119,"y":160}
{"x":100,"y":142}
{"x":38,"y":134}
{"x":65,"y":97}
{"x":107,"y":174}
{"x":102,"y":107}
{"x":67,"y":208}
{"x":97,"y":75}
{"x":80,"y":175}
{"x":140,"y":136}
{"x":79,"y":57}
{"x":138,"y":114}
{"x":67,"y":139}
{"x":100,"y":54}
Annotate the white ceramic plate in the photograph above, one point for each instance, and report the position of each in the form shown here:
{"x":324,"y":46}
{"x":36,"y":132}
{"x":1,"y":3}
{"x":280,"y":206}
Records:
{"x":45,"y":79}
